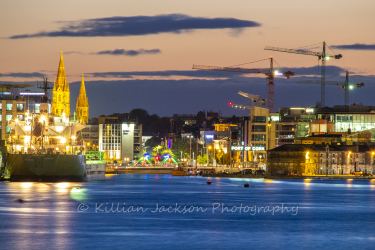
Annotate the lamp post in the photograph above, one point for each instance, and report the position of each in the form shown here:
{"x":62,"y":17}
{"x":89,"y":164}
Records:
{"x":190,"y":148}
{"x":208,"y":158}
{"x":327,"y":151}
{"x":193,"y":159}
{"x":107,"y":146}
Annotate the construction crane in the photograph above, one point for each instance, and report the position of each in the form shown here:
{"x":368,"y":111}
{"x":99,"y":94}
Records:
{"x":268,"y":72}
{"x":321,"y":56}
{"x":344,"y":85}
{"x":239,"y":106}
{"x":255,"y":99}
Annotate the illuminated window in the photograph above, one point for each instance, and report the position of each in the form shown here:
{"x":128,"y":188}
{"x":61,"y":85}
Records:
{"x":19,"y":106}
{"x":37,"y":108}
{"x":8,"y":118}
{"x":9,"y":106}
{"x":1,"y":106}
{"x":258,"y":137}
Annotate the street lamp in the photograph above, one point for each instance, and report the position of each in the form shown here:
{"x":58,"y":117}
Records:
{"x":190,"y":148}
{"x":209,"y":148}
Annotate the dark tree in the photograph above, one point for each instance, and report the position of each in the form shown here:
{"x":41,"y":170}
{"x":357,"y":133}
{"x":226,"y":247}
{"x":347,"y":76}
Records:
{"x":153,"y":142}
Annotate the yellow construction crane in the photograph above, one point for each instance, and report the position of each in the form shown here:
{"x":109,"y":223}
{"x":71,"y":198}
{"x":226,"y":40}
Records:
{"x":321,"y":56}
{"x":268,"y":72}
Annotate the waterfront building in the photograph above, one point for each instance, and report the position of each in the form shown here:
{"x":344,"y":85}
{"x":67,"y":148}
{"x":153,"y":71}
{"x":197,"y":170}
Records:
{"x":259,"y":134}
{"x":120,"y":140}
{"x":61,"y":92}
{"x":11,"y":109}
{"x":298,"y":122}
{"x":82,"y":107}
{"x":89,"y":137}
{"x":321,"y":159}
{"x":14,"y":104}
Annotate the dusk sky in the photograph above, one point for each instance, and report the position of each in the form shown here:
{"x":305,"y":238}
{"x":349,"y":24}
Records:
{"x":139,"y":54}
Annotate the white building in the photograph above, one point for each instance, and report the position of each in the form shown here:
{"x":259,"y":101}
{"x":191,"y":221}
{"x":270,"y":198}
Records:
{"x":120,"y":141}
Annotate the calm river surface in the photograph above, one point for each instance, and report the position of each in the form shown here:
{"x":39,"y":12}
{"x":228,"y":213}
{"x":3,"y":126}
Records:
{"x":173,"y":212}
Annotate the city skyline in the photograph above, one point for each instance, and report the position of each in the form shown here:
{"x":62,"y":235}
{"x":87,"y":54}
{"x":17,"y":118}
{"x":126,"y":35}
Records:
{"x":140,"y":55}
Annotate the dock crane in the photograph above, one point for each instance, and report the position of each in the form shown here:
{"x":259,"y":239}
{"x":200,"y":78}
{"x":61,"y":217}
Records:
{"x":344,"y":85}
{"x":268,"y":72}
{"x":321,"y":56}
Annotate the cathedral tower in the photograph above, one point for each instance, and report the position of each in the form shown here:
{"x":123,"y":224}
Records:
{"x":82,"y":107}
{"x":61,"y":92}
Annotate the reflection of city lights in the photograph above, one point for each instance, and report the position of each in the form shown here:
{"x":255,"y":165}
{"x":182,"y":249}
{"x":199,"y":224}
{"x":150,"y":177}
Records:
{"x":62,"y":185}
{"x":26,"y":184}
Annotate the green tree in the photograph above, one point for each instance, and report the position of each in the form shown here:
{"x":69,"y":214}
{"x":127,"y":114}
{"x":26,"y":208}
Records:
{"x":183,"y":145}
{"x":202,"y":160}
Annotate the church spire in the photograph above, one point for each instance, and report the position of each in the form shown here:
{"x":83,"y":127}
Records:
{"x":61,"y":92}
{"x":61,"y":77}
{"x":82,"y":106}
{"x":82,"y":90}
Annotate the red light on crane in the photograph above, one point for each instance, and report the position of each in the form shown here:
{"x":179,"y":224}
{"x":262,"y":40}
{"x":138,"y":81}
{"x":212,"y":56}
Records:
{"x":230,"y":103}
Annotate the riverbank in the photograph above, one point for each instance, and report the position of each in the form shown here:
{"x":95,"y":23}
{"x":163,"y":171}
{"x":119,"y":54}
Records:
{"x":307,"y":177}
{"x":225,"y":175}
{"x":139,"y":171}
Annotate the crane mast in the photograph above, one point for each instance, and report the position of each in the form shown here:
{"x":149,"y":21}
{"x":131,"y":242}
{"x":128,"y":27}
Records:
{"x":323,"y":56}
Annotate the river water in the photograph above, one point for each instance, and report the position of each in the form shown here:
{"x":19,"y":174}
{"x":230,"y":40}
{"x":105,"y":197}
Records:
{"x":173,"y":212}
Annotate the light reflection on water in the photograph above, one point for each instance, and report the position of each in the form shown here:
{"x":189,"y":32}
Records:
{"x":331,"y":213}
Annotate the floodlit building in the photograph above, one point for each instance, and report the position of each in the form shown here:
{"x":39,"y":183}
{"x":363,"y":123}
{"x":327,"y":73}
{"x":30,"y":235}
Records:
{"x":321,"y":159}
{"x":11,"y":107}
{"x":89,"y":137}
{"x":120,"y":141}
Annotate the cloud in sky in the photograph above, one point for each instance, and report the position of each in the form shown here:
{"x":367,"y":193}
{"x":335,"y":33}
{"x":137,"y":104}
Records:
{"x":122,"y":52}
{"x":119,"y":52}
{"x":140,"y":25}
{"x":23,"y":75}
{"x":316,"y":70}
{"x":311,"y":71}
{"x":166,"y":73}
{"x":357,"y":46}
